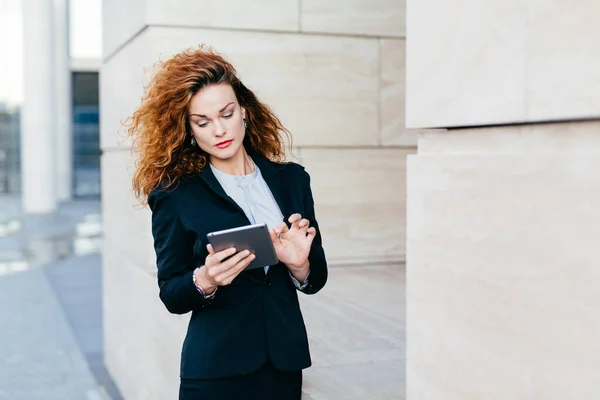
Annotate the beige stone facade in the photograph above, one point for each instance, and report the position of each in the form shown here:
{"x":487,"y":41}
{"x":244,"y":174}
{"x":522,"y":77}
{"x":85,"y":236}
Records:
{"x":502,"y":254}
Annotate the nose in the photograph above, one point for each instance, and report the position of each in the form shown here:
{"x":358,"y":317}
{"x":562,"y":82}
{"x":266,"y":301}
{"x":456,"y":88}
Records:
{"x":219,"y":129}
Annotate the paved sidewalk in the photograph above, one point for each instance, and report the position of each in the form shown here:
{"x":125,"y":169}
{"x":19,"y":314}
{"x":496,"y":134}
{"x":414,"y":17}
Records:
{"x":356,"y":328}
{"x":77,"y":283}
{"x":39,"y":355}
{"x":50,"y":297}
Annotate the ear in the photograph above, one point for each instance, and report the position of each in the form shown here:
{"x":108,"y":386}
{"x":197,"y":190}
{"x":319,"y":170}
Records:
{"x":243,"y":112}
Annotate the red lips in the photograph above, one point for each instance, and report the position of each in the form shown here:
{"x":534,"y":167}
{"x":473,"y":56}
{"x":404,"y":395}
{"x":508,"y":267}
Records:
{"x":224,"y":144}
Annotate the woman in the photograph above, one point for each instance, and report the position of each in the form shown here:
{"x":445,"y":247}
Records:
{"x":210,"y":157}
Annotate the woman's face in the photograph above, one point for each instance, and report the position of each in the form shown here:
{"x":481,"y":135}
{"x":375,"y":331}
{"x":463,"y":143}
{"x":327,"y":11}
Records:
{"x":217,"y":121}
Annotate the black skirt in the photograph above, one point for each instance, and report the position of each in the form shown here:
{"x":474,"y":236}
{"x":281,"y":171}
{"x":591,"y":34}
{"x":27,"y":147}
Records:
{"x":268,"y":383}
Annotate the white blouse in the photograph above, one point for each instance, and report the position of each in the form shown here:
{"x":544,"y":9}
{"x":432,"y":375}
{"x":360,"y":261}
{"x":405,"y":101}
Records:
{"x":253,"y":195}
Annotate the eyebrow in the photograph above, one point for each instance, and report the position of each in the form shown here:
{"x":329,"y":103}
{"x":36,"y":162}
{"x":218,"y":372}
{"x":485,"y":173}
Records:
{"x":220,"y":111}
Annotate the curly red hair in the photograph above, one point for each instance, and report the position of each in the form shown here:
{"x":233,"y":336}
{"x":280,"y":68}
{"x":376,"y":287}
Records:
{"x":160,"y":127}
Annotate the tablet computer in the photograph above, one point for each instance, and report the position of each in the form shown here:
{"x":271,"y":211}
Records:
{"x":254,"y":238}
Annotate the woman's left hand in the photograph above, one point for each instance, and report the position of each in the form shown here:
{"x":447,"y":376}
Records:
{"x":292,"y":245}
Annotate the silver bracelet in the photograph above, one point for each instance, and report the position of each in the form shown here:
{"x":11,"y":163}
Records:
{"x":199,"y":288}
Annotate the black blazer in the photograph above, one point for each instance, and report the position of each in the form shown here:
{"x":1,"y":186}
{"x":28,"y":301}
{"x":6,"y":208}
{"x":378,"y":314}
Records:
{"x":258,"y":315}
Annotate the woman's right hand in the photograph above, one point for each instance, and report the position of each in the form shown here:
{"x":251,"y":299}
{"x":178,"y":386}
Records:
{"x":216,"y":272}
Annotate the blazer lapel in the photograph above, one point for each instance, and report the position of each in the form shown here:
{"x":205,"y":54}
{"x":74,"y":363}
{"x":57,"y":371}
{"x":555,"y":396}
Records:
{"x":211,"y":180}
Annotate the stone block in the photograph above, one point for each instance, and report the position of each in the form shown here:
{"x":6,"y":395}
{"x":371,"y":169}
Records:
{"x":360,"y":202}
{"x":279,"y":15}
{"x":354,"y":17}
{"x":121,"y":21}
{"x":502,"y":272}
{"x":142,"y":340}
{"x":127,"y":226}
{"x":568,"y":138}
{"x":392,"y":95}
{"x":325,"y":89}
{"x":563,"y":67}
{"x":465,"y":63}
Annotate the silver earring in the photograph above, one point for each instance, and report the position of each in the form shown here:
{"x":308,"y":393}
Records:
{"x":245,"y":124}
{"x":193,"y":141}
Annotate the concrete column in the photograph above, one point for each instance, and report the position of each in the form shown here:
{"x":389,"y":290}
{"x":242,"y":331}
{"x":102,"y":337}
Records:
{"x":62,"y":100}
{"x":38,"y":113}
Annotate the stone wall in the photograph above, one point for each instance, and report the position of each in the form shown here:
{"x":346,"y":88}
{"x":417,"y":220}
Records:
{"x":502,"y":260}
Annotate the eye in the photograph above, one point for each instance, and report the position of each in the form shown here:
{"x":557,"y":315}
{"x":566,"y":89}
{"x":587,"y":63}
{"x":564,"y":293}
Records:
{"x":202,"y":124}
{"x":227,"y":116}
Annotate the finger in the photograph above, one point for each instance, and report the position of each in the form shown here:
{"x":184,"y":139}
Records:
{"x":239,"y":267}
{"x":228,"y":276}
{"x":304,"y":224}
{"x":294,"y":218}
{"x":210,"y":249}
{"x":273,"y":235}
{"x":220,"y":256}
{"x":281,"y":228}
{"x":225,"y":266}
{"x":231,"y":263}
{"x":296,"y":222}
{"x":310,"y":235}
